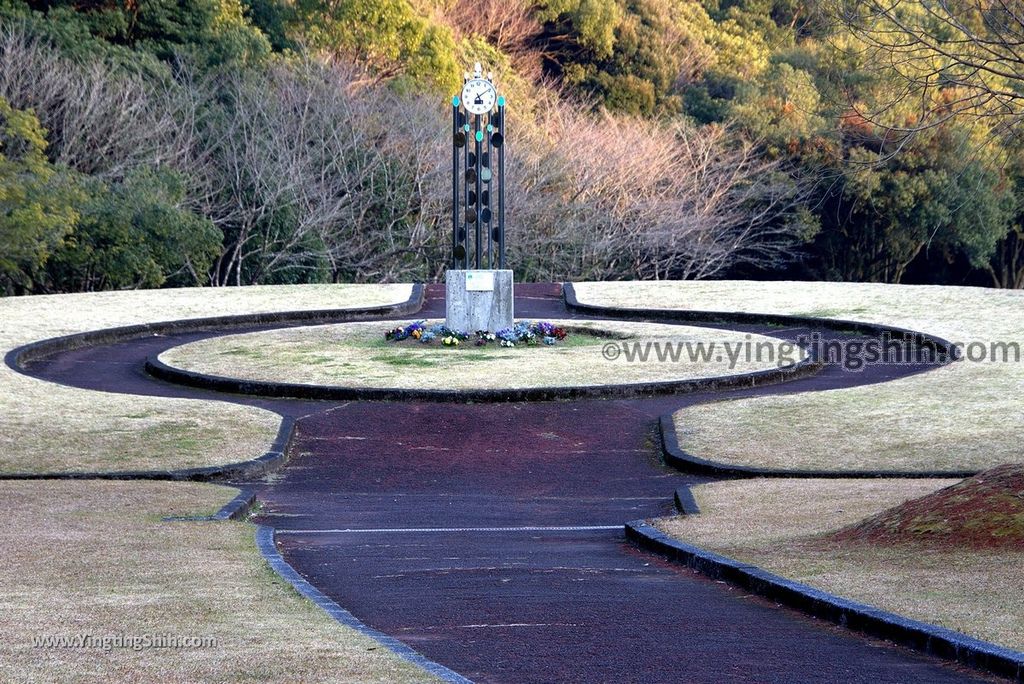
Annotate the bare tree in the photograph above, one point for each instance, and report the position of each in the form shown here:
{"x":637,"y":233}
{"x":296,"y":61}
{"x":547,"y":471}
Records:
{"x":947,"y":58}
{"x":391,"y":228}
{"x":304,"y":176}
{"x":274,"y":175}
{"x":619,"y":197}
{"x":940,"y":60}
{"x":98,"y":122}
{"x":311,"y":173}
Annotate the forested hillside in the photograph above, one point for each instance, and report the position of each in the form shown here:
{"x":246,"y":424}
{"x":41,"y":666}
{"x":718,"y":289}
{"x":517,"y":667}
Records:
{"x":192,"y":142}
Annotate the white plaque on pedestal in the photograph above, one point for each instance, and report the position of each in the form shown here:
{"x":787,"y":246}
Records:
{"x":480,"y":281}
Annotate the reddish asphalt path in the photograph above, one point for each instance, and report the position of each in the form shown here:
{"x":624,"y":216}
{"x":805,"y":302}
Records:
{"x":520,"y":605}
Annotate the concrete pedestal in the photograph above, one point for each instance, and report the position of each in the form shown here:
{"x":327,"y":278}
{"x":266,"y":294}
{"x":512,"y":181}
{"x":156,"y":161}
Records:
{"x":478,"y":300}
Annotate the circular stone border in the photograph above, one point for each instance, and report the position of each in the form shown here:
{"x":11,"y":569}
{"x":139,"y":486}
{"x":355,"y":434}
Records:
{"x":804,"y":368}
{"x":19,"y":358}
{"x":674,"y":455}
{"x":168,"y":372}
{"x":291,"y":390}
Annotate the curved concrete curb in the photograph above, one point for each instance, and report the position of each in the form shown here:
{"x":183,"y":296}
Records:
{"x":674,"y":456}
{"x":268,"y":462}
{"x":919,"y":636}
{"x":677,"y":458}
{"x":265,"y":541}
{"x":19,"y":357}
{"x":280,"y":390}
{"x":684,"y":501}
{"x":941,"y":347}
{"x":236,"y":509}
{"x":263,"y":388}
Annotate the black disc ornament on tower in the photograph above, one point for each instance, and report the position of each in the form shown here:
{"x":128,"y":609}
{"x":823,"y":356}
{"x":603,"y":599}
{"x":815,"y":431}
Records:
{"x":478,"y":175}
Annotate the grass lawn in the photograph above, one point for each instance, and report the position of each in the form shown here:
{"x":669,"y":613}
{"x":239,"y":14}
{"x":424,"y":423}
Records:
{"x":356,"y":355}
{"x":46,"y":428}
{"x":966,"y":415}
{"x":780,"y":525}
{"x":94,"y":558}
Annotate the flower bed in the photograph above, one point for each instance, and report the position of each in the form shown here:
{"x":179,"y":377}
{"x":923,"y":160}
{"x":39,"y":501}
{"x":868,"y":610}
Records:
{"x":522,"y":333}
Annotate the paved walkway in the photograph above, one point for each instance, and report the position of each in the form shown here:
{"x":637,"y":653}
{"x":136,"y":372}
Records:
{"x":489,"y":536}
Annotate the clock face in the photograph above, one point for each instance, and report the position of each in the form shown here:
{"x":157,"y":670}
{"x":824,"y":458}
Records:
{"x":479,"y":96}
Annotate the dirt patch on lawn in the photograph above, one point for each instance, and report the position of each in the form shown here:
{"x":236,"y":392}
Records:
{"x":984,"y":511}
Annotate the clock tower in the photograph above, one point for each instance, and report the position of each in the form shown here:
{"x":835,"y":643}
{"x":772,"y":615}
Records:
{"x":478,"y":286}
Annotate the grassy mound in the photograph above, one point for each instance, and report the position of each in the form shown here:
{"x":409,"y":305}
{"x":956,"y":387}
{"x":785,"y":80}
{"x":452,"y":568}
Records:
{"x":984,"y":511}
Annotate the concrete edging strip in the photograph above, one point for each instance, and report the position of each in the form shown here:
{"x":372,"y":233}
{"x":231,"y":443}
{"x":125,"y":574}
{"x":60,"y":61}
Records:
{"x":684,"y":501}
{"x":919,"y":636}
{"x":218,"y":383}
{"x":674,"y":456}
{"x":267,"y":547}
{"x":236,"y":509}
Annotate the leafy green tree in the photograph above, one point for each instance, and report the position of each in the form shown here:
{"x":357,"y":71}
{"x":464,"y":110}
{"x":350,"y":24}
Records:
{"x":135,"y":234}
{"x":273,"y":18}
{"x":632,"y":56}
{"x":645,"y":56}
{"x":389,"y":37}
{"x":784,"y":112}
{"x":36,"y":199}
{"x":924,"y":203}
{"x":214,"y":31}
{"x":65,"y":29}
{"x":741,"y":49}
{"x":589,"y":25}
